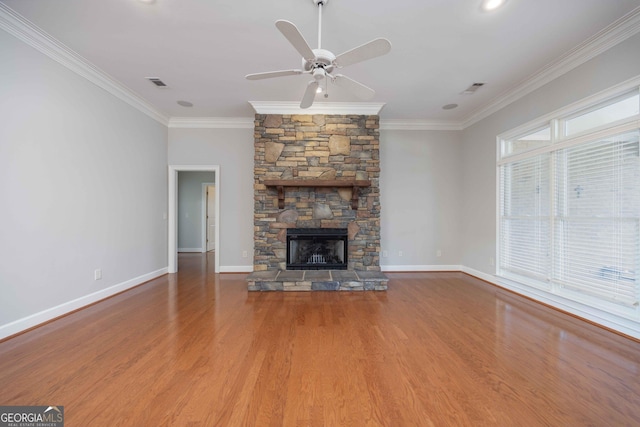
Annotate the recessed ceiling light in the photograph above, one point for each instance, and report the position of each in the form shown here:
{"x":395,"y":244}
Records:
{"x":489,"y":5}
{"x":185,"y":103}
{"x":147,"y":1}
{"x":449,"y":106}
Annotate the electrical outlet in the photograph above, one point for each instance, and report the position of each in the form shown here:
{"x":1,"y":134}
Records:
{"x":492,"y":261}
{"x":244,"y":254}
{"x":400,"y":253}
{"x":97,"y":274}
{"x":438,"y":252}
{"x":385,"y":254}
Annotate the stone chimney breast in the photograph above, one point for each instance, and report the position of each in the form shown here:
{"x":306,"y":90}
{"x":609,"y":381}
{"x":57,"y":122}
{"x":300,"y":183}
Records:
{"x":324,"y":149}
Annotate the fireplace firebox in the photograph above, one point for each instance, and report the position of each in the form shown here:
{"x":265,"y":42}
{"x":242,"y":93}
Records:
{"x":317,"y":248}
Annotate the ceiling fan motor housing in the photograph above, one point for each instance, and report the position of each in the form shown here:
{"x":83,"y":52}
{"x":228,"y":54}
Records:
{"x":323,"y":59}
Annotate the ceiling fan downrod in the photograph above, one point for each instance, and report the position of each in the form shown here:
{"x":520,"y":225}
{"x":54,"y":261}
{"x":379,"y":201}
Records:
{"x":320,"y":3}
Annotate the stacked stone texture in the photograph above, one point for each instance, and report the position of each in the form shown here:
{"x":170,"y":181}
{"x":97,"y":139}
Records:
{"x":316,"y":147}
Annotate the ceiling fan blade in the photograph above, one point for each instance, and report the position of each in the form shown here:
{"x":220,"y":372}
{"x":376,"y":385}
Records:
{"x":309,"y":94}
{"x":271,"y":74}
{"x":291,"y":32}
{"x":364,"y":52}
{"x":358,"y":89}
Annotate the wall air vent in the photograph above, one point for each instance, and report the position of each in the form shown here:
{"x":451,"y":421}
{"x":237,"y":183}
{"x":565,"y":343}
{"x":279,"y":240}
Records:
{"x":156,"y":81}
{"x":471,"y":89}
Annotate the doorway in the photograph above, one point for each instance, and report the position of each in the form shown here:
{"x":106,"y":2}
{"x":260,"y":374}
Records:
{"x":173,"y":212}
{"x":208,"y":217}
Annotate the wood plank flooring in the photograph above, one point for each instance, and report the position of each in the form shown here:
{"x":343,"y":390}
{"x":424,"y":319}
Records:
{"x":436,"y":349}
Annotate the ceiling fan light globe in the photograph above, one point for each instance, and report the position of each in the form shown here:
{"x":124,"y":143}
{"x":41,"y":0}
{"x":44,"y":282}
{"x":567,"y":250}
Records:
{"x":318,"y":74}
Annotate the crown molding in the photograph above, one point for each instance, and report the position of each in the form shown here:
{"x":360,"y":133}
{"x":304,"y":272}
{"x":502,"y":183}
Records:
{"x":418,"y":125}
{"x":339,"y":108}
{"x":29,"y":33}
{"x":248,"y":123}
{"x":211,"y":122}
{"x":617,"y":32}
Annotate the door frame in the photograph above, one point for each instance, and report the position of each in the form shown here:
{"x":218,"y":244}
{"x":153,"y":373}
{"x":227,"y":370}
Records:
{"x":205,"y":231}
{"x":173,"y":212}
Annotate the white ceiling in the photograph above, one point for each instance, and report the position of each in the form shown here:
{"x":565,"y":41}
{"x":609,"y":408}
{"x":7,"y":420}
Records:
{"x":203,"y":48}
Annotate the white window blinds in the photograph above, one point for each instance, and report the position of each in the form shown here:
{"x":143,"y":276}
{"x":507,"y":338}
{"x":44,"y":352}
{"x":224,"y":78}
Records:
{"x":597,"y":208}
{"x":525,"y":225}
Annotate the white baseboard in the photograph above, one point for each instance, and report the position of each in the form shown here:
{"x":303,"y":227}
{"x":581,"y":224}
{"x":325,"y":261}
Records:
{"x":480,"y":275}
{"x":236,"y":268}
{"x":51,"y":313}
{"x":199,"y":250}
{"x":407,"y":268}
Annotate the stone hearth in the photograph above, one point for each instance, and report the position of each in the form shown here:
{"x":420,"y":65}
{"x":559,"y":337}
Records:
{"x":317,"y":280}
{"x":318,"y":151}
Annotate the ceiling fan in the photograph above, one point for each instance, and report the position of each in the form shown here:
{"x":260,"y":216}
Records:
{"x":320,"y":63}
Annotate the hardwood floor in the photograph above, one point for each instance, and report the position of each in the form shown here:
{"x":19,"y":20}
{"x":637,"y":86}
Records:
{"x":436,"y":349}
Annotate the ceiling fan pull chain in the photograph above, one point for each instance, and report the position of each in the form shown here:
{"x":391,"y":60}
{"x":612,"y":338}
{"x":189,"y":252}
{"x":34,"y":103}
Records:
{"x":326,"y":85}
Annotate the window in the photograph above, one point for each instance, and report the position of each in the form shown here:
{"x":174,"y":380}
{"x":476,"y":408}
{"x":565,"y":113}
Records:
{"x":601,"y":115}
{"x":525,"y":224}
{"x":597,"y":207}
{"x":537,"y":139}
{"x":569,"y":205}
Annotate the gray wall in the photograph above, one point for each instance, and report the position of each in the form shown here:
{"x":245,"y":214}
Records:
{"x":478,"y":165}
{"x":83,"y":185}
{"x":190,"y":209}
{"x":232,"y":150}
{"x":420,"y":185}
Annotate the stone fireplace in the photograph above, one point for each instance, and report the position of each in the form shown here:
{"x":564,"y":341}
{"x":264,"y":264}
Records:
{"x":316,"y":173}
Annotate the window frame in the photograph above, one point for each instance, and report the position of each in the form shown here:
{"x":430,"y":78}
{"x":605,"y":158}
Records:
{"x":556,"y":121}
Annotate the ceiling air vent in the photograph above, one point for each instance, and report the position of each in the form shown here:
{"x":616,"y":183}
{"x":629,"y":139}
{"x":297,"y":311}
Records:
{"x":471,"y":89}
{"x":156,"y":81}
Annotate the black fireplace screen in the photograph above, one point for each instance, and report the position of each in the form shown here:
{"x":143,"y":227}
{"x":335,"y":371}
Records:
{"x":317,"y":248}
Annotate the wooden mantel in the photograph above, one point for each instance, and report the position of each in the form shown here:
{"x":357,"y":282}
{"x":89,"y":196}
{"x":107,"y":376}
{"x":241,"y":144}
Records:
{"x":354,"y":184}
